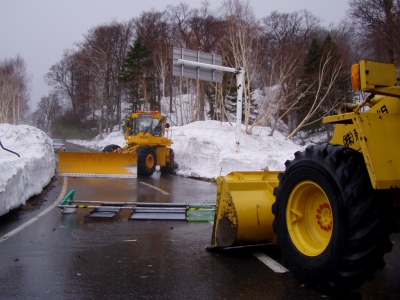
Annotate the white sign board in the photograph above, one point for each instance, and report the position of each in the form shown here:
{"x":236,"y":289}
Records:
{"x":196,"y":72}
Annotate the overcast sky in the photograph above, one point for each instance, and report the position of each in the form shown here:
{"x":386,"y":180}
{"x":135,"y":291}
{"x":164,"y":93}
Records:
{"x":40,"y":30}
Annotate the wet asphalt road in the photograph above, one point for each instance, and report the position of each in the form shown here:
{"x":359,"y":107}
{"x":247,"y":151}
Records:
{"x":63,"y":256}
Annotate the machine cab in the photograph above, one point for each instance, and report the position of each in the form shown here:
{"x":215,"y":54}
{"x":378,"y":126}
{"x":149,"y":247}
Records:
{"x":144,"y":122}
{"x":145,"y":127}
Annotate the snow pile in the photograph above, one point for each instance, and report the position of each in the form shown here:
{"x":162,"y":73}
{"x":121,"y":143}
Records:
{"x":25,"y":176}
{"x":207,"y":149}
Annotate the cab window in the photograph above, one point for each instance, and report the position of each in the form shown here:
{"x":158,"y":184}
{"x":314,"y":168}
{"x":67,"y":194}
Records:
{"x":145,"y":122}
{"x":156,"y":127}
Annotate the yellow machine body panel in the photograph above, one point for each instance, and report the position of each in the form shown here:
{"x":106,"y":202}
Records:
{"x":375,"y":74}
{"x":375,"y":134}
{"x":380,"y":144}
{"x":162,"y":155}
{"x":244,"y":209}
{"x":87,"y":164}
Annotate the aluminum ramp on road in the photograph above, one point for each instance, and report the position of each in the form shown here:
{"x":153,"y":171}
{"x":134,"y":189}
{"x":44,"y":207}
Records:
{"x":158,"y":213}
{"x":140,"y":210}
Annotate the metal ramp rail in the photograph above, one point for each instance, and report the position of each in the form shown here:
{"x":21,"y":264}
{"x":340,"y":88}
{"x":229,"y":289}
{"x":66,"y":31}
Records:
{"x":140,"y":210}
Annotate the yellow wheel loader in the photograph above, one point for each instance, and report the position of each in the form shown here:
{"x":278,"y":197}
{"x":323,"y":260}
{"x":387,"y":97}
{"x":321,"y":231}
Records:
{"x":147,"y":145}
{"x":331,"y":211}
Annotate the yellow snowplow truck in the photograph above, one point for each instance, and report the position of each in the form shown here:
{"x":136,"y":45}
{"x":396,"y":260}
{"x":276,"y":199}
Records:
{"x":331,"y":211}
{"x":147,"y":145}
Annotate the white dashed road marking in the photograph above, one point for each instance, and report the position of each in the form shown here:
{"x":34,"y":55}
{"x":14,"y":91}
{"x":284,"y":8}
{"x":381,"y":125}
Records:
{"x":269,"y":262}
{"x":156,"y":188}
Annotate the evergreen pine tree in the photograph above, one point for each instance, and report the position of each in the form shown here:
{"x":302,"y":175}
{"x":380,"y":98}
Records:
{"x":136,"y":75}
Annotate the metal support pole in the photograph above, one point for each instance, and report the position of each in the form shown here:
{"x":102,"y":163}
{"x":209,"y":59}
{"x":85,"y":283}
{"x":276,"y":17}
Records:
{"x":239,"y":104}
{"x":205,"y":66}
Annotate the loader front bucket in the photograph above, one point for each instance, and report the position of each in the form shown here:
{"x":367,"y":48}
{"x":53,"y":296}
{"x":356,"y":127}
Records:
{"x":97,"y":164}
{"x":244,"y":209}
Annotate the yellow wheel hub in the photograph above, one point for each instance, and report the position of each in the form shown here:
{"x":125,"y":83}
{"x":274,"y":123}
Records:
{"x":149,"y":161}
{"x":309,"y":218}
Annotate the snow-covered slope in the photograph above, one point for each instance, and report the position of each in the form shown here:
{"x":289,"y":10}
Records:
{"x":25,"y":176}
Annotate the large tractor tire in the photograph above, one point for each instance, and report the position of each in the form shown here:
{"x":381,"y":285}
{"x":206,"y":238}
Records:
{"x":332,"y":226}
{"x":110,"y":148}
{"x":170,"y":167}
{"x":147,"y":161}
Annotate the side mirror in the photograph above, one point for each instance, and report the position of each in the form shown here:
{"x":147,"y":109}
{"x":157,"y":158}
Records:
{"x":167,"y":125}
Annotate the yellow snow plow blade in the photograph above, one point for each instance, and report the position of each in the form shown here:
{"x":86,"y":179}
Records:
{"x":244,"y":209}
{"x":93,"y":164}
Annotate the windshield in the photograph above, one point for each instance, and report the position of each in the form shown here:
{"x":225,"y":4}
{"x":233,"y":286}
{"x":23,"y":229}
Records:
{"x":145,"y":122}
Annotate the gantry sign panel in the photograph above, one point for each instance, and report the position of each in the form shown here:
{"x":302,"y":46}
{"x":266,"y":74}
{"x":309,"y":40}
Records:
{"x":195,"y":72}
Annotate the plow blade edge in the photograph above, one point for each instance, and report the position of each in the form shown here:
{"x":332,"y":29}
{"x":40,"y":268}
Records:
{"x":244,"y":209}
{"x":87,"y":164}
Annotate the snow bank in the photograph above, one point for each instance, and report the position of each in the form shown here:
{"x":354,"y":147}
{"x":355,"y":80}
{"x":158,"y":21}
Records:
{"x":208,"y":149}
{"x":25,"y":176}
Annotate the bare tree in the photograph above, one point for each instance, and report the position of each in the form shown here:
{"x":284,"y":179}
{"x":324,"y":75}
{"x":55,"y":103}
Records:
{"x":64,"y":77}
{"x":329,"y":73}
{"x":49,"y":109}
{"x":14,"y":90}
{"x":101,"y":57}
{"x":377,"y":23}
{"x":280,"y":92}
{"x":122,"y":34}
{"x":242,"y":39}
{"x":154,"y":29}
{"x":284,"y":44}
{"x":197,"y":29}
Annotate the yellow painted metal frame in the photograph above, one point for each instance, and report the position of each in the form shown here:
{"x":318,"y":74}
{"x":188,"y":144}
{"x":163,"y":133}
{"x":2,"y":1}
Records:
{"x":244,"y":208}
{"x":162,"y":153}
